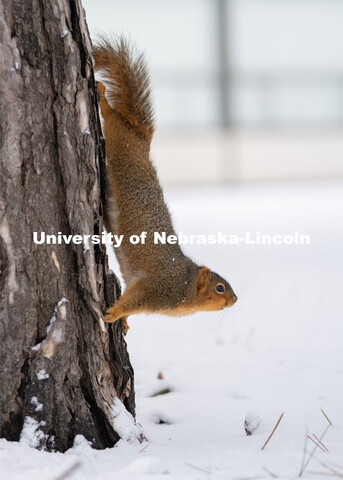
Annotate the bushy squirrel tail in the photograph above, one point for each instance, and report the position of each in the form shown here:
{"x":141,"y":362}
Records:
{"x":127,"y":81}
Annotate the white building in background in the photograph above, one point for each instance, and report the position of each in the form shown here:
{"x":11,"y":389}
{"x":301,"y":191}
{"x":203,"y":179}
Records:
{"x":244,"y":89}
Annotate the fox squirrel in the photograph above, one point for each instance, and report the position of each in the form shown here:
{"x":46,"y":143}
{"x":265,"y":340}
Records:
{"x":159,"y":277}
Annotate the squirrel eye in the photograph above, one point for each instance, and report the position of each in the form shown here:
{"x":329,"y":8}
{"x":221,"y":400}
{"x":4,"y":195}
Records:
{"x":220,"y":288}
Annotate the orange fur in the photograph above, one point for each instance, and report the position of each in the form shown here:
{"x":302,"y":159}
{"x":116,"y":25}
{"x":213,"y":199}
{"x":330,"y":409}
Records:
{"x":159,"y":278}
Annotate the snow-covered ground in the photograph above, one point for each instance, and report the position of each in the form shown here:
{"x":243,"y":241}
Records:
{"x":279,"y":349}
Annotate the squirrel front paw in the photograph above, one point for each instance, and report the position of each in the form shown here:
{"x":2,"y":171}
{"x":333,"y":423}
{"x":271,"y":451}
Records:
{"x":112,"y":315}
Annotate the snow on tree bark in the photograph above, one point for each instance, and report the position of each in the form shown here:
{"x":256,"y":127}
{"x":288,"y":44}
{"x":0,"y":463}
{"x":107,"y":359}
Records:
{"x":63,"y":371}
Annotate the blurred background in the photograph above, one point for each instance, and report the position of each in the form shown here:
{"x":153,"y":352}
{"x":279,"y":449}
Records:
{"x":244,"y":90}
{"x":248,"y":97}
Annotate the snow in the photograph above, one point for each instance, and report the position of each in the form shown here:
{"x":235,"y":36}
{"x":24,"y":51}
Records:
{"x":54,"y":331}
{"x":81,"y":446}
{"x":31,"y":434}
{"x":279,"y":349}
{"x":124,"y":423}
{"x":253,"y":424}
{"x":37,"y":404}
{"x":62,"y":311}
{"x":146,"y":465}
{"x":42,"y":375}
{"x":37,"y":347}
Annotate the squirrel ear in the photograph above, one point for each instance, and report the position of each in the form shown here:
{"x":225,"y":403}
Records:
{"x":204,"y":278}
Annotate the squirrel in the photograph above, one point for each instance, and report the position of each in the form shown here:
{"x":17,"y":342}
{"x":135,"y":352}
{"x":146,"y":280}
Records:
{"x":159,"y":277}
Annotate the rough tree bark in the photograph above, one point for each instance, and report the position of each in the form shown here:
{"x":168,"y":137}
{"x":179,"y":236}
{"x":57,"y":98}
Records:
{"x":63,"y":372}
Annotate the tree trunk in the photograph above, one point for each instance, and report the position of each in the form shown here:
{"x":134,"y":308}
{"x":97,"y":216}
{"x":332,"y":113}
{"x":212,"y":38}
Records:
{"x":63,"y":371}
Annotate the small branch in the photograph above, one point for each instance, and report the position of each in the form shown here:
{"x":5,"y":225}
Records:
{"x":325,"y":474}
{"x":197,"y":468}
{"x":146,"y":446}
{"x":70,"y":470}
{"x":270,"y":436}
{"x":304,"y":452}
{"x":327,"y":418}
{"x":315,"y":448}
{"x":322,"y":444}
{"x":333,"y":471}
{"x":270,"y":473}
{"x":318,"y":444}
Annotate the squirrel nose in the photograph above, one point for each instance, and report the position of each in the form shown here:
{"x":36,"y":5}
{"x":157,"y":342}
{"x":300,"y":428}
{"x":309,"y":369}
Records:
{"x":231,"y":300}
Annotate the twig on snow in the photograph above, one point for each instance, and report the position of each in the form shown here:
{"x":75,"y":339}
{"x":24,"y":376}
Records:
{"x":273,"y":475}
{"x":304,"y":452}
{"x":197,"y":468}
{"x":332,"y":470}
{"x":322,"y":444}
{"x":335,"y":465}
{"x":270,"y":436}
{"x":146,"y":446}
{"x":325,"y":474}
{"x":315,"y":448}
{"x":68,"y":472}
{"x":318,"y":444}
{"x":327,"y":418}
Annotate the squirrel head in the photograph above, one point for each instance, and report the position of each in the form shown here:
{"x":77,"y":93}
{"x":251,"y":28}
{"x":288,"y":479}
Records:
{"x":213,"y":292}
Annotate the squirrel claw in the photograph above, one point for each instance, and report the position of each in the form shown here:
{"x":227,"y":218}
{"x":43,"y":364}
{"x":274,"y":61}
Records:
{"x":111,"y":310}
{"x":126,"y":327}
